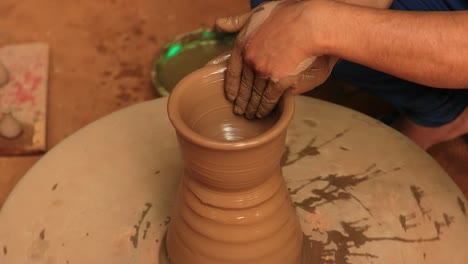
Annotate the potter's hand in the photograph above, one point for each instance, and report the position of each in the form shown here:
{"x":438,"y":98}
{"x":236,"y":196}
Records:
{"x":271,"y":55}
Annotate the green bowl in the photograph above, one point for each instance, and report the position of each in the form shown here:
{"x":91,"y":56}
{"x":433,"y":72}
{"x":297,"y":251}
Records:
{"x":185,"y":54}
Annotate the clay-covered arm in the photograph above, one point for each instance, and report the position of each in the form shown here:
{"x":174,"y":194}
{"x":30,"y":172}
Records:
{"x":429,"y":48}
{"x":279,"y":36}
{"x":280,"y":42}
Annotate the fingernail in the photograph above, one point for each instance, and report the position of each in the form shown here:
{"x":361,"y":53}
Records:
{"x":250,"y":116}
{"x":258,"y":115}
{"x":238,"y":110}
{"x":222,"y":20}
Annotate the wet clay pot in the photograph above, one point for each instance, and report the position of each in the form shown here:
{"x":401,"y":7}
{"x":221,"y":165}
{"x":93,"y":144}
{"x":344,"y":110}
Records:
{"x":233,"y":205}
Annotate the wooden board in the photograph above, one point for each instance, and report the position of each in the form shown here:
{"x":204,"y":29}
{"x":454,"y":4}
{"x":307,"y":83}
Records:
{"x":25,"y":96}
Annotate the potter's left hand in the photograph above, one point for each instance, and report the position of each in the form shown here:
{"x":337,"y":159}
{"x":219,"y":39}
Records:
{"x":271,"y":54}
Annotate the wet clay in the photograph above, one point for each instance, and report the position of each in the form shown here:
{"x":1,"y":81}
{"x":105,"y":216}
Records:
{"x":233,"y":206}
{"x":187,"y":61}
{"x":222,"y":125}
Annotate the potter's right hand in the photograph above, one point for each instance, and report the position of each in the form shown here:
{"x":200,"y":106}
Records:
{"x":271,"y":55}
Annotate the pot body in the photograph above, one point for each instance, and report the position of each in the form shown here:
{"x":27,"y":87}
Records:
{"x":233,"y":206}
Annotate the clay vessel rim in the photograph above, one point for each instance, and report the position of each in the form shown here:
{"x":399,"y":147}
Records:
{"x":212,"y":71}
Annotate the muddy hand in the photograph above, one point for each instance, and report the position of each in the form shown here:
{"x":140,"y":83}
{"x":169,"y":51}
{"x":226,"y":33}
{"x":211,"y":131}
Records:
{"x":246,"y":89}
{"x":312,"y":77}
{"x":316,"y":74}
{"x":270,"y":57}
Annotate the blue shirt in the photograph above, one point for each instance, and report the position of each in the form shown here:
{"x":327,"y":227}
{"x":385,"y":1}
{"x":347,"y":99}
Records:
{"x":414,"y":5}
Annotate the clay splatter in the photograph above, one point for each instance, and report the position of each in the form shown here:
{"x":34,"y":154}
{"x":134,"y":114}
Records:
{"x":5,"y":250}
{"x":101,"y":48}
{"x":448,"y":220}
{"x":310,"y":123}
{"x":136,"y":29}
{"x":337,"y":136}
{"x":148,"y":225}
{"x":418,"y":194}
{"x":405,"y":221}
{"x":308,"y":150}
{"x":54,"y":187}
{"x":337,"y":247}
{"x":42,"y":234}
{"x":107,"y":73}
{"x":157,"y":172}
{"x":343,"y":148}
{"x":167,"y":220}
{"x":461,"y":204}
{"x":337,"y":188}
{"x":129,"y":71}
{"x":285,"y":157}
{"x":153,"y":39}
{"x":134,"y":238}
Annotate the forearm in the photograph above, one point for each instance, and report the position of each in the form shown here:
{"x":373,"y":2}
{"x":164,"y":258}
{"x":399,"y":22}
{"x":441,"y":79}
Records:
{"x":429,"y":48}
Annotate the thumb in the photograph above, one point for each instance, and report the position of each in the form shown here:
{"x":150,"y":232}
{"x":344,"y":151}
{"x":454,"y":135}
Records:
{"x":232,"y":24}
{"x":316,"y":74}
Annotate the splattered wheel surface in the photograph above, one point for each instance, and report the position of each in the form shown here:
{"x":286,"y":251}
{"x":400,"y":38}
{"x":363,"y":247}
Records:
{"x":363,"y":193}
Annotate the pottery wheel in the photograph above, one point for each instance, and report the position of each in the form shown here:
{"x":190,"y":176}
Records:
{"x":364,"y":193}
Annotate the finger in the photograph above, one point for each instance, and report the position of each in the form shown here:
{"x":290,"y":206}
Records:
{"x":270,"y":99}
{"x":245,"y":90}
{"x":232,"y":24}
{"x":333,"y":61}
{"x":222,"y":58}
{"x":257,"y":92}
{"x":233,"y":73}
{"x":304,"y":65}
{"x":316,"y":74}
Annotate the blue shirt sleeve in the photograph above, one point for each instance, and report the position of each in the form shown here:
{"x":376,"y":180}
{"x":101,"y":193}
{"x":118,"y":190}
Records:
{"x":430,"y":5}
{"x":413,"y":5}
{"x":255,"y":3}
